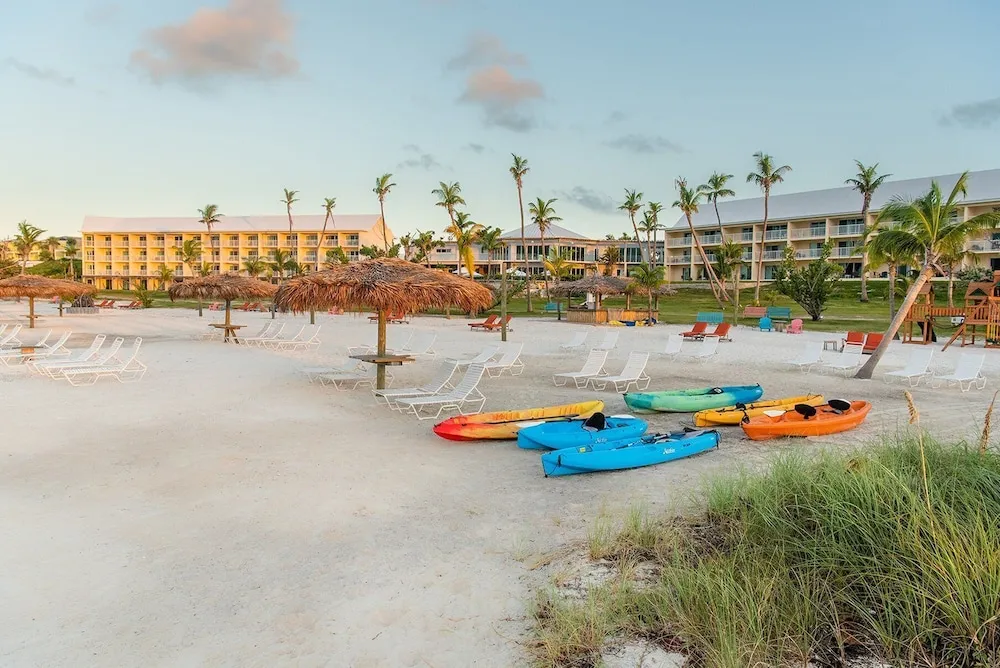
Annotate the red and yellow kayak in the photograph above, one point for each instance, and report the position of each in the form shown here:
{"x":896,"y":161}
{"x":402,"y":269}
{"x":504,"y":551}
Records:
{"x":830,"y":418}
{"x":504,"y":425}
{"x":733,"y":415}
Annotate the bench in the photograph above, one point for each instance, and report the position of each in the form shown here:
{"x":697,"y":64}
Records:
{"x":754,"y":312}
{"x":711,"y":317}
{"x":552,"y":306}
{"x":779,"y":313}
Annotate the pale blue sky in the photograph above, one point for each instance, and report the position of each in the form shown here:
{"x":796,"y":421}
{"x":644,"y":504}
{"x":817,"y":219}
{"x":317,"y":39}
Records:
{"x":102,"y":115}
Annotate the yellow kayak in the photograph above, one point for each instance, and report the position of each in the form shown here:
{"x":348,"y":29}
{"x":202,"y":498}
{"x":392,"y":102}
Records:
{"x":733,"y":415}
{"x":504,"y":425}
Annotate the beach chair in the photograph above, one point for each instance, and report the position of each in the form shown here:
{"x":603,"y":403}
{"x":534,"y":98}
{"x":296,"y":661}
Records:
{"x":269,"y":333}
{"x":490,"y":321}
{"x":395,"y":340}
{"x":131,"y":305}
{"x":609,"y":342}
{"x":495,"y":327}
{"x":365,"y":374}
{"x":794,"y":327}
{"x":274,"y":343}
{"x":420,"y":344}
{"x":634,"y":373}
{"x":465,"y":394}
{"x":16,"y":343}
{"x":214,"y":306}
{"x":510,"y":360}
{"x":313,"y":372}
{"x":436,"y":385}
{"x":108,"y":304}
{"x":872,"y":340}
{"x":696,"y":331}
{"x":593,"y":367}
{"x":579,"y":340}
{"x":916,"y":367}
{"x":40,"y":364}
{"x":811,"y":355}
{"x":853,"y":337}
{"x":9,"y":338}
{"x":124,"y":367}
{"x":721,"y":331}
{"x":706,"y":349}
{"x":847,"y":360}
{"x":16,"y":356}
{"x":484,"y":356}
{"x":673,"y":347}
{"x":298,"y":344}
{"x":55,"y":368}
{"x":968,"y":372}
{"x":765,"y":324}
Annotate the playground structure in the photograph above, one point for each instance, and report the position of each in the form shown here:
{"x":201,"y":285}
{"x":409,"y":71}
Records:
{"x":982,"y":309}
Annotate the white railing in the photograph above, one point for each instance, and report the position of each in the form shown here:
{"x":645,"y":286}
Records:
{"x":848,"y":230}
{"x":776,"y":235}
{"x":808,"y":254}
{"x":774,"y":255}
{"x":810,"y":233}
{"x":849,"y":251}
{"x":710,"y":239}
{"x":679,"y":259}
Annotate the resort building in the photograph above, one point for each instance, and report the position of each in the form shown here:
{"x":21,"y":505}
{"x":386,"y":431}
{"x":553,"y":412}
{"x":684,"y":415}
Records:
{"x":122,"y":253}
{"x":806,"y":220}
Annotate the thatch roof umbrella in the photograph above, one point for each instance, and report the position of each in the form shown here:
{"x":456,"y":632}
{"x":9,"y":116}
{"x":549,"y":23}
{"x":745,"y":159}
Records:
{"x":227,"y":287}
{"x":384,"y":285}
{"x":43,"y":287}
{"x":598,"y":285}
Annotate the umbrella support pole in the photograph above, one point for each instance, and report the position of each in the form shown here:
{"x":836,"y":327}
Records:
{"x":31,"y":312}
{"x":503,"y":303}
{"x":380,"y":371}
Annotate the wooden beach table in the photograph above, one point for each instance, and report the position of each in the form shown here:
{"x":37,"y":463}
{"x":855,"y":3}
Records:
{"x":383,"y":360}
{"x":230,"y":331}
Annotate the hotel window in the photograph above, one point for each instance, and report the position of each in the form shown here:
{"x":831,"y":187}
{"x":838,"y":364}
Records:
{"x":88,"y":240}
{"x":817,"y":229}
{"x":178,"y":240}
{"x":293,"y":239}
{"x":312,"y":239}
{"x":352,"y":240}
{"x":252,"y":240}
{"x":234,"y":240}
{"x":577,"y":254}
{"x":332,"y":240}
{"x":633,"y":254}
{"x":353,"y":255}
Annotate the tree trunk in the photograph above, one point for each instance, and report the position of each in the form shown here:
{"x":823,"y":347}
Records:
{"x":636,"y":229}
{"x":709,"y":270}
{"x":722,"y":235}
{"x":760,"y":260}
{"x":31,"y":312}
{"x":864,"y":256}
{"x":892,"y":291}
{"x":524,"y":246}
{"x":319,"y":244}
{"x":911,"y":296}
{"x":380,"y":349}
{"x":951,"y":287}
{"x":545,"y":275}
{"x":289,"y":220}
{"x":385,"y":235}
{"x":229,"y":304}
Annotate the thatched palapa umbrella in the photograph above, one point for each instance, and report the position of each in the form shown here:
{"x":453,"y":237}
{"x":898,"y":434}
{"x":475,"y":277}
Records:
{"x":601,"y":286}
{"x":384,"y":285}
{"x":226,"y":287}
{"x":42,"y":287}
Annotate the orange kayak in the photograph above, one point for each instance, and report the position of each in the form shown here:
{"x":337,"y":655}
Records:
{"x":830,"y":418}
{"x":504,"y":425}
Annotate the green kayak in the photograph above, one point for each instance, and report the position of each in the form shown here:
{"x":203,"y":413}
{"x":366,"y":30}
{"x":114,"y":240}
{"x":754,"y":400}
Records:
{"x":692,"y":401}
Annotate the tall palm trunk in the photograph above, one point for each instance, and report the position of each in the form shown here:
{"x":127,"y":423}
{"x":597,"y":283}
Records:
{"x":319,"y":244}
{"x":715,"y":203}
{"x":763,"y":241}
{"x":385,"y":235}
{"x":524,"y":246}
{"x":892,"y":290}
{"x":951,"y":286}
{"x":709,"y":270}
{"x":911,"y":296}
{"x":545,"y":274}
{"x":289,"y":221}
{"x":864,"y":254}
{"x":636,"y":229}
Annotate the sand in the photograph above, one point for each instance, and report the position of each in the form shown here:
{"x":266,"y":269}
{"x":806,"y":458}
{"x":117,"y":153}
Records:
{"x":225,"y":512}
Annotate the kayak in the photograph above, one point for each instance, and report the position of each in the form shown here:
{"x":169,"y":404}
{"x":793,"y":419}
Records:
{"x":830,"y":418}
{"x":504,"y":425}
{"x":646,"y":451}
{"x":691,"y":401}
{"x":733,"y":415}
{"x":595,"y":430}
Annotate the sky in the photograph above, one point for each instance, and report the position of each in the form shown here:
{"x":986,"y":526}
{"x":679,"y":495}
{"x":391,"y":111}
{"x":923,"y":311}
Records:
{"x":159,"y":107}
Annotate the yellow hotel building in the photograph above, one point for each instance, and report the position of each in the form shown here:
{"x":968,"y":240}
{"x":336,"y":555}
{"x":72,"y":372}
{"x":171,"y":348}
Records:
{"x":122,"y":253}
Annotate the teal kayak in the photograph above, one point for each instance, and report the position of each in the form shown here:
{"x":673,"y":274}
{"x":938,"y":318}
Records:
{"x":692,"y":401}
{"x":646,"y":451}
{"x":574,"y":433}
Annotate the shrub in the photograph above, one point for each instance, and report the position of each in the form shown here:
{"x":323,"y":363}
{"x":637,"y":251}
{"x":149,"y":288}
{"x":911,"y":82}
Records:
{"x":83,"y":301}
{"x":810,"y":286}
{"x":143,"y":296}
{"x":975,"y":274}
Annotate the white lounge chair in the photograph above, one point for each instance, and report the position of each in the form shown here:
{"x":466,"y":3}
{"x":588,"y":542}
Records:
{"x":267,"y":334}
{"x":916,"y":367}
{"x":299,"y":344}
{"x":352,"y":380}
{"x":484,"y":356}
{"x":968,"y":372}
{"x":510,"y":360}
{"x":313,"y":372}
{"x":41,"y":365}
{"x":634,"y":373}
{"x":593,"y":367}
{"x":125,"y":368}
{"x":395,"y":340}
{"x":811,"y":355}
{"x":420,"y":344}
{"x":436,"y":385}
{"x":673,"y":347}
{"x":40,"y":343}
{"x":273,"y":344}
{"x":9,"y":338}
{"x":706,"y":348}
{"x":579,"y":340}
{"x":609,"y":342}
{"x":847,"y":360}
{"x":56,"y":368}
{"x":56,"y":349}
{"x":263,"y":332}
{"x":466,"y":393}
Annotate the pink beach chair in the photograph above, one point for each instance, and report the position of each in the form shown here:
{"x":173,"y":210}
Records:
{"x":795,"y":326}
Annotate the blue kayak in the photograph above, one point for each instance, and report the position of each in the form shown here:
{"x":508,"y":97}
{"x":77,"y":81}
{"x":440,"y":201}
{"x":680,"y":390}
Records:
{"x":596,"y":429}
{"x":655,"y":449}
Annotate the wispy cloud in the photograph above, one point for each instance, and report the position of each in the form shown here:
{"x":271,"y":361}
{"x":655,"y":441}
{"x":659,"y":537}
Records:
{"x":589,"y":199}
{"x":475,"y":148}
{"x":615,"y":117}
{"x":103,"y":13}
{"x":484,"y":50}
{"x":974,"y":115}
{"x":418,"y":159}
{"x":246,"y":38}
{"x":636,"y":143}
{"x":45,"y":74}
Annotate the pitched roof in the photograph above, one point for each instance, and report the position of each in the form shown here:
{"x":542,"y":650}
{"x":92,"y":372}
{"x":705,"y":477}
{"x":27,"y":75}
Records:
{"x":983,"y":186}
{"x":531,"y":232}
{"x":276,"y":223}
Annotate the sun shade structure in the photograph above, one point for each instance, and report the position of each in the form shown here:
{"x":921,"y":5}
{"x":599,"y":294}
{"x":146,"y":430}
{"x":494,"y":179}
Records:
{"x":34,"y":287}
{"x":226,"y":287}
{"x":601,"y":286}
{"x":383,"y":285}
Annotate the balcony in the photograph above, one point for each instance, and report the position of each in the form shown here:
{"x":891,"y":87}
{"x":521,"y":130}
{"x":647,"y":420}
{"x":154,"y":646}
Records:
{"x":710,"y":239}
{"x":271,"y":243}
{"x":159,"y":243}
{"x":811,"y":233}
{"x":774,"y":255}
{"x":105,"y":244}
{"x":776,"y":235}
{"x":849,"y":251}
{"x":808,"y":254}
{"x":159,"y":258}
{"x":847,"y":231}
{"x":985,"y":246}
{"x":745,"y":237}
{"x":353,"y":241}
{"x":679,"y":259}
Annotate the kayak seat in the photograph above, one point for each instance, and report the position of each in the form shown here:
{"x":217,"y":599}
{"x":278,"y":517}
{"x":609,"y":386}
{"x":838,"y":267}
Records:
{"x":716,"y":390}
{"x":741,"y":407}
{"x":596,"y":422}
{"x":839,"y":405}
{"x":805,"y":410}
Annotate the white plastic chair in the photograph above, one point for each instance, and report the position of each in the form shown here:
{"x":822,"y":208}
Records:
{"x":58,"y":348}
{"x":125,"y":368}
{"x":609,"y":342}
{"x":436,"y":385}
{"x":55,"y":369}
{"x":9,"y":339}
{"x":968,"y":372}
{"x":312,"y":373}
{"x":420,"y":344}
{"x":579,"y":340}
{"x":41,"y":365}
{"x":484,"y":356}
{"x":266,"y":334}
{"x":300,"y":343}
{"x":848,"y":360}
{"x":916,"y":368}
{"x":706,"y":348}
{"x":279,"y":341}
{"x":395,"y":340}
{"x":673,"y":347}
{"x":466,"y":393}
{"x":365,"y":375}
{"x":812,"y":354}
{"x":593,"y":367}
{"x":634,"y":373}
{"x":510,"y":360}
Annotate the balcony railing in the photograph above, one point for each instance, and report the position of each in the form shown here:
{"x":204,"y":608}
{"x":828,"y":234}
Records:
{"x":776,"y":235}
{"x":710,"y":239}
{"x":353,"y":241}
{"x":849,"y":251}
{"x":745,"y":237}
{"x":808,"y":254}
{"x":774,"y":255}
{"x":848,"y":230}
{"x":811,"y":233}
{"x":679,"y":259}
{"x":985,"y":246}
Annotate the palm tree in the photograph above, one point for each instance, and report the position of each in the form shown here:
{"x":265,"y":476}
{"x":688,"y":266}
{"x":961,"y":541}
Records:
{"x":425,"y":243}
{"x":465,"y":231}
{"x":281,"y":262}
{"x":653,"y":211}
{"x":51,"y":245}
{"x":383,"y":185}
{"x":647,"y":279}
{"x":648,"y":227}
{"x":728,"y":260}
{"x":288,"y":201}
{"x":717,"y":188}
{"x":765,"y":177}
{"x":632,"y":204}
{"x":25,"y":241}
{"x":891,"y":249}
{"x":70,"y":251}
{"x":933,"y":224}
{"x":191,"y":256}
{"x":866,"y":182}
{"x":556,"y":264}
{"x":687,"y":201}
{"x":449,"y":197}
{"x":543,"y":214}
{"x":209,"y":216}
{"x":951,"y":259}
{"x":165,"y":274}
{"x":518,"y":170}
{"x":254,"y":266}
{"x":336,"y":257}
{"x":610,"y":258}
{"x":406,"y":244}
{"x":490,"y":243}
{"x":328,"y":205}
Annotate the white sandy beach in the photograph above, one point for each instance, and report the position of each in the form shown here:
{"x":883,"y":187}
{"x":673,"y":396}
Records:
{"x":225,"y":512}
